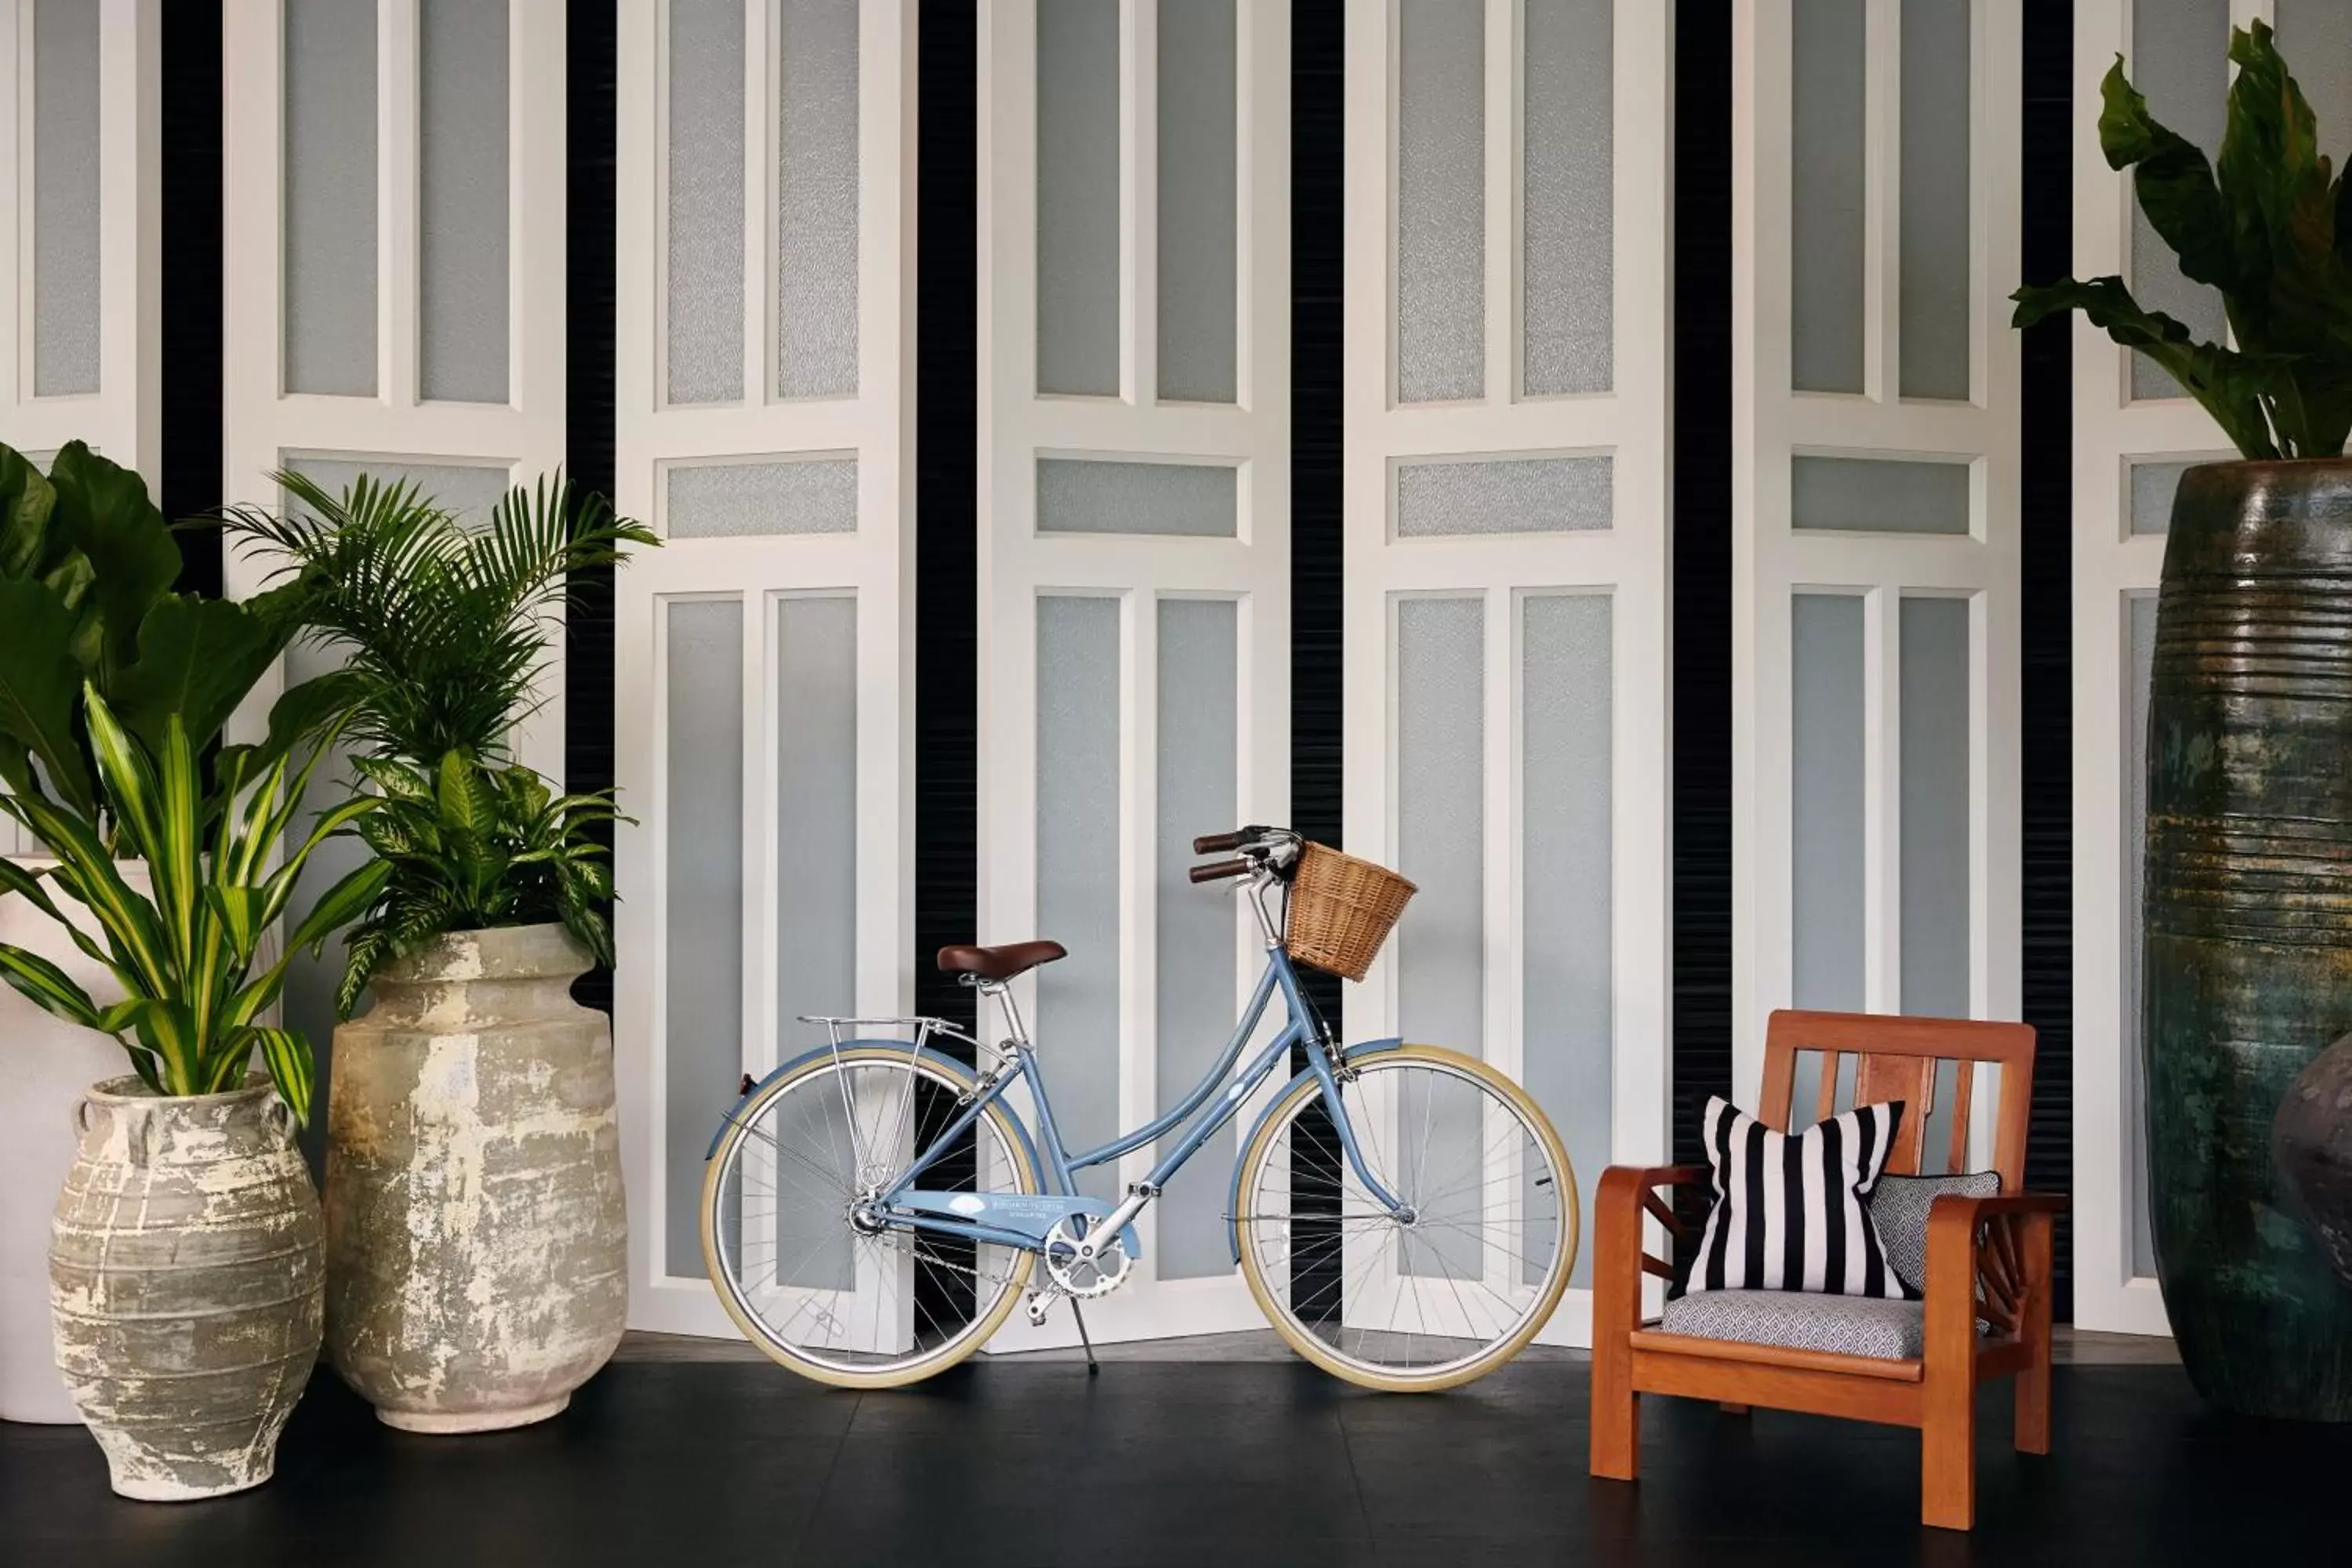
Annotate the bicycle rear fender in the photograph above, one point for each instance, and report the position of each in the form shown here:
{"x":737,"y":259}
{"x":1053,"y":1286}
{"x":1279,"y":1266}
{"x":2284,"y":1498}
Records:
{"x":946,"y":1064}
{"x":1233,"y":1196}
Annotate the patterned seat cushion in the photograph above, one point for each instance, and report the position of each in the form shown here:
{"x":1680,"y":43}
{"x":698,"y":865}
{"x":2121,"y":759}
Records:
{"x":1802,"y":1321}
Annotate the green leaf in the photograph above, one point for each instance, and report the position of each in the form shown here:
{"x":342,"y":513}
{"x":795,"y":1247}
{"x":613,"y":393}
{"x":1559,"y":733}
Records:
{"x":16,"y":879}
{"x":39,"y":685}
{"x":27,"y":499}
{"x":396,"y":779}
{"x":47,"y":986}
{"x":465,"y":801}
{"x":104,"y":510}
{"x":286,"y":1055}
{"x":2227,"y":385}
{"x":339,"y":905}
{"x":197,"y":658}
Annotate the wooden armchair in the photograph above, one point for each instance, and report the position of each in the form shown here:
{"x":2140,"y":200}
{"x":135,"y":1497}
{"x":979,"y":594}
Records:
{"x":1988,"y":1262}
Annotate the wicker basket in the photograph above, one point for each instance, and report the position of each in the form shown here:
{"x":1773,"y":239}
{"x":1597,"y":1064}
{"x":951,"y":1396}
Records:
{"x":1341,"y":910}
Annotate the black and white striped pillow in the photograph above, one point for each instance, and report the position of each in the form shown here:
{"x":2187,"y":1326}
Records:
{"x":1789,"y":1211}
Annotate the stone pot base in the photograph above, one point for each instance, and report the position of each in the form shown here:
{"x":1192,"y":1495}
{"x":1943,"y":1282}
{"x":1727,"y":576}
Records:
{"x":445,"y":1425}
{"x":153,"y":1487}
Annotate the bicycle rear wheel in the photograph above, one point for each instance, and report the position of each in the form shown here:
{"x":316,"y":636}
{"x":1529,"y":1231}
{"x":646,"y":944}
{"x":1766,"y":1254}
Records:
{"x":1461,"y":1283}
{"x":859,"y":1306}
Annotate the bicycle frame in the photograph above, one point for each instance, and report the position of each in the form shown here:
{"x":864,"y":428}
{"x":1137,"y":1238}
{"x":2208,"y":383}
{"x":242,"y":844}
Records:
{"x":1203,"y":1106}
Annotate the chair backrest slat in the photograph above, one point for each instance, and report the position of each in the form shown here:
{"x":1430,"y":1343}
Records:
{"x":1898,"y":1058}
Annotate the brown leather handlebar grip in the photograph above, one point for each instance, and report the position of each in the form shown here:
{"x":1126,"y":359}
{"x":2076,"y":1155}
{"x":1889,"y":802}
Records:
{"x":1217,"y":868}
{"x":1217,"y":843}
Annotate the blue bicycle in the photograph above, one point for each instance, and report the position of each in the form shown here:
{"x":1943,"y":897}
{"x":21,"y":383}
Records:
{"x":1406,"y":1215}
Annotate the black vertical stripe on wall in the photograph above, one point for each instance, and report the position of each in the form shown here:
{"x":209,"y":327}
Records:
{"x":947,"y":480}
{"x":590,"y":68}
{"x":190,"y":198}
{"x":2047,"y":605}
{"x":1701,"y":577}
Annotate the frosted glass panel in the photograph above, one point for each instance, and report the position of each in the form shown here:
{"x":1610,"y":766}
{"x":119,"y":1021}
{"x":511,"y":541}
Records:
{"x":1078,"y":197}
{"x":702,"y":901}
{"x":1934,"y":851}
{"x":1825,"y":849}
{"x":705,"y":293}
{"x":468,"y":490}
{"x":2315,"y":36}
{"x":1825,"y":229}
{"x":735,"y":501}
{"x":817,"y":199}
{"x":1935,"y":252}
{"x":1875,"y":495}
{"x":461,"y":77}
{"x":2152,"y":487}
{"x":1199,"y":222}
{"x":816,"y":808}
{"x":330,"y":196}
{"x":1440,"y":201}
{"x":1564,"y":728}
{"x":1522,"y":495}
{"x":2179,"y":61}
{"x":65,"y":198}
{"x":1566,"y":200}
{"x":2143,"y":662}
{"x":1077,"y":868}
{"x":1079,"y":496}
{"x":1198,"y":766}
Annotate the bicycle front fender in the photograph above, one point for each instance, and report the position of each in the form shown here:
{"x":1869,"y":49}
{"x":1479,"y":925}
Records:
{"x":946,"y":1064}
{"x":1234,"y":1195}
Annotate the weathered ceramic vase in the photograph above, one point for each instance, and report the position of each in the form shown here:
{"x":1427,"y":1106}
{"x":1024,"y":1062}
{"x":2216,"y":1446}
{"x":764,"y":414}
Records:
{"x":2312,"y":1141}
{"x":2248,"y":918}
{"x":476,"y":1230}
{"x":186,"y":1287}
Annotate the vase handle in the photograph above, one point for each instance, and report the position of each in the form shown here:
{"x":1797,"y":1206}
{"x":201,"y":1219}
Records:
{"x":79,"y":1117}
{"x":283,"y":1115}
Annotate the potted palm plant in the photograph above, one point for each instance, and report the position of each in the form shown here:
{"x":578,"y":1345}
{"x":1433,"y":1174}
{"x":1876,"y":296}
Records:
{"x":2248,"y":912}
{"x":454,"y":1305}
{"x":183,"y":1258}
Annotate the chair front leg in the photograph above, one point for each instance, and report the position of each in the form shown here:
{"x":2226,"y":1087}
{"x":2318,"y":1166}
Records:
{"x":1947,"y":1431}
{"x":2033,"y":1413}
{"x":1625,"y":1195}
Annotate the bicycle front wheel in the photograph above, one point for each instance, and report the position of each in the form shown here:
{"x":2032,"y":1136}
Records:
{"x":1455,"y":1283}
{"x":793,"y":1253}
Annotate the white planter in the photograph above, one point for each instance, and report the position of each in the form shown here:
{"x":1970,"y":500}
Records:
{"x":46,"y":1064}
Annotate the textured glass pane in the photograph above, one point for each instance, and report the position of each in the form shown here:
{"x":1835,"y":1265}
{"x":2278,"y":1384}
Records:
{"x":1935,"y":824}
{"x":733,"y":500}
{"x":1440,"y":201}
{"x":2179,"y":61}
{"x":705,"y":294}
{"x":1825,"y":229}
{"x":1935,"y":251}
{"x":1199,"y":222}
{"x":1077,"y":869}
{"x":2135,"y":1106}
{"x":1875,"y":495}
{"x":816,"y":200}
{"x":1078,"y":496}
{"x":2152,"y":487}
{"x":1078,"y":197}
{"x":330,"y":196}
{"x":1521,"y":495}
{"x":65,"y":198}
{"x":2315,"y":36}
{"x":1566,"y":912}
{"x":1567,"y":227}
{"x":1198,"y":764}
{"x":1825,"y":660}
{"x":468,"y":490}
{"x":702,"y":901}
{"x":1441,"y":661}
{"x":461,"y":77}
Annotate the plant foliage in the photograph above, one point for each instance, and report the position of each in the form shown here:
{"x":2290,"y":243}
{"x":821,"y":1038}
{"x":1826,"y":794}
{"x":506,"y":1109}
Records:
{"x":468,"y":847}
{"x":2270,"y":226}
{"x":192,"y":954}
{"x":87,"y":565}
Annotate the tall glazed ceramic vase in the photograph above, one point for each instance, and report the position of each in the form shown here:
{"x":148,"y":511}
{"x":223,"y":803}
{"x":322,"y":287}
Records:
{"x":476,"y":1232}
{"x":2248,"y":918}
{"x":46,"y":1063}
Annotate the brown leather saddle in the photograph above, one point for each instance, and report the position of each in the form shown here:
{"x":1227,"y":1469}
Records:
{"x":1001,"y":963}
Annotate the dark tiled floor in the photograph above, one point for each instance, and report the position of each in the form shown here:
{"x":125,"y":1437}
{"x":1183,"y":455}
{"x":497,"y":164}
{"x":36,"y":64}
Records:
{"x":674,"y":1463}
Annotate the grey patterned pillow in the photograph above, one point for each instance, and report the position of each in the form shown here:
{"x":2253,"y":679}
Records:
{"x":1899,"y":1206}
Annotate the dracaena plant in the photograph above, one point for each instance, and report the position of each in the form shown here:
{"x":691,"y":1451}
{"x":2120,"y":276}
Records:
{"x":192,"y":956}
{"x":2270,"y":225}
{"x":443,"y":628}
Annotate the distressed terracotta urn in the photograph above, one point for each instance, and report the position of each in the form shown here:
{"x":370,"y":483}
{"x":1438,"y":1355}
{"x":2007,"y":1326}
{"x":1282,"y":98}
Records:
{"x":2248,"y":918}
{"x":185,"y":1284}
{"x":475,"y":1223}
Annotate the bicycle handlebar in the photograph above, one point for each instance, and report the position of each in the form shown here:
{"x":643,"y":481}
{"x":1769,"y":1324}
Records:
{"x":1217,"y":843}
{"x":1216,"y":870}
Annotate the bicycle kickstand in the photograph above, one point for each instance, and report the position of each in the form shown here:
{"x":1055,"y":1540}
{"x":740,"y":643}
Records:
{"x":1093,"y":1367}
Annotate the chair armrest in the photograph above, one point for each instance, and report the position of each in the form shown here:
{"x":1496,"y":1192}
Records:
{"x":1625,"y":1195}
{"x":1989,"y":1257}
